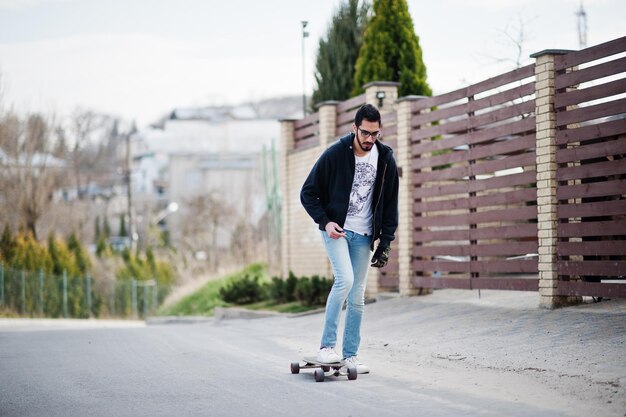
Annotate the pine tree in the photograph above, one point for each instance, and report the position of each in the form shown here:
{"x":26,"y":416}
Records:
{"x":123,"y":226}
{"x":97,"y":222}
{"x":7,"y":245}
{"x":391,"y":51}
{"x":106,"y":227}
{"x":83,"y":263}
{"x":337,"y":54}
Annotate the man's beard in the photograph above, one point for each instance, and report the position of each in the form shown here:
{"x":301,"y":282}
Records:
{"x":365,"y":146}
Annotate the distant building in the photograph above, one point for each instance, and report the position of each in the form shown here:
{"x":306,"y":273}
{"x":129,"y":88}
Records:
{"x":199,"y":151}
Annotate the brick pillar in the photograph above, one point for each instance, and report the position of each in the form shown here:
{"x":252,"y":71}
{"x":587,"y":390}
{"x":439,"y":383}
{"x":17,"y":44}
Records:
{"x":286,"y":146}
{"x":327,"y":125}
{"x":327,"y":122}
{"x":547,"y":218}
{"x":404,"y":235}
{"x":382,"y":92}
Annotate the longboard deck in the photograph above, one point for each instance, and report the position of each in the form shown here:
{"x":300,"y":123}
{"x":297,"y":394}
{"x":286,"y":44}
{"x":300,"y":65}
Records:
{"x":323,"y":369}
{"x":312,"y":360}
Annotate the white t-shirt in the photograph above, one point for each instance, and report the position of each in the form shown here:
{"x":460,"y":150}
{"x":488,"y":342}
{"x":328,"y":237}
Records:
{"x":360,"y":214}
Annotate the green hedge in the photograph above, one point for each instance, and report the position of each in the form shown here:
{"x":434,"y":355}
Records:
{"x":252,"y":285}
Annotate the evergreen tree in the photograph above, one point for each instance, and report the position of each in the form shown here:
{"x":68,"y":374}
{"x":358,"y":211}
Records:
{"x":123,"y":226}
{"x":391,"y":51}
{"x":61,"y":257}
{"x":337,"y":54}
{"x":7,"y":245}
{"x":83,"y":262}
{"x":97,"y":221}
{"x":106,"y":227}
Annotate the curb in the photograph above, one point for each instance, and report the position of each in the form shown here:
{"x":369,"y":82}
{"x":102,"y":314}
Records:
{"x":151,"y":321}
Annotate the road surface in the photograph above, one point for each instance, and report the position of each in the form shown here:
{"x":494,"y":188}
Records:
{"x":449,"y":354}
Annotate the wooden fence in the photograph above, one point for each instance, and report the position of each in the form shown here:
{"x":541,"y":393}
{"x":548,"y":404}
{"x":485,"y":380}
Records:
{"x":306,"y":132}
{"x":591,"y":156}
{"x":493,"y":195}
{"x":473,"y":168}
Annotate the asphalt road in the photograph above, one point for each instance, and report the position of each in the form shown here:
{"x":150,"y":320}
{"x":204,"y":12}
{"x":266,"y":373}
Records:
{"x":241,"y":368}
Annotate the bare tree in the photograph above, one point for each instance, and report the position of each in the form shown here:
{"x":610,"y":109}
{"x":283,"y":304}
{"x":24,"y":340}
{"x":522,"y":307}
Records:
{"x":205,"y":226}
{"x":94,"y":139}
{"x":28,"y":172}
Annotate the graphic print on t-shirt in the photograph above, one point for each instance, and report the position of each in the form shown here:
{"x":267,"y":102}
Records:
{"x":364,"y":177}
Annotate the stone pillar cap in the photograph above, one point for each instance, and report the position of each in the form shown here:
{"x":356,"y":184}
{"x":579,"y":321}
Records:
{"x":410,"y":98}
{"x":552,"y":52}
{"x":381,"y":84}
{"x":327,"y":103}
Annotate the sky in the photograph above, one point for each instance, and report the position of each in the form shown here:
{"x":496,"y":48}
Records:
{"x":139,"y":59}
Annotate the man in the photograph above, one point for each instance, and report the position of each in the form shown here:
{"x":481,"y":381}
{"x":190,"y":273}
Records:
{"x":352,"y":194}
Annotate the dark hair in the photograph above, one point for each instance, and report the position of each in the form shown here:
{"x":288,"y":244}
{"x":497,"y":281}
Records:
{"x":367,"y":112}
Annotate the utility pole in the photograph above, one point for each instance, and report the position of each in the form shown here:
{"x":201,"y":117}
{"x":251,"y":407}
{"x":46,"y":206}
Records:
{"x":305,"y":34}
{"x":582,"y":27}
{"x":129,"y":194}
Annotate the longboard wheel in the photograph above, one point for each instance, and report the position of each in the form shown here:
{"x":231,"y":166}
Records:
{"x":319,"y":375}
{"x":352,"y":373}
{"x":295,"y":367}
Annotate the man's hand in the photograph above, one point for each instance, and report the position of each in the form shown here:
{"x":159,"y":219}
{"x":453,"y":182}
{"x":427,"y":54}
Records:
{"x":381,"y":256}
{"x":334,"y":231}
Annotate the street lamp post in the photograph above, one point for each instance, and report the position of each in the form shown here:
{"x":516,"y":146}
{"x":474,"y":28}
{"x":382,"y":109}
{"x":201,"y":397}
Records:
{"x":305,"y":34}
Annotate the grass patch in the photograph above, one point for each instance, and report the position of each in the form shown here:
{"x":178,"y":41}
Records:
{"x":293,"y":307}
{"x":251,"y":288}
{"x":200,"y":303}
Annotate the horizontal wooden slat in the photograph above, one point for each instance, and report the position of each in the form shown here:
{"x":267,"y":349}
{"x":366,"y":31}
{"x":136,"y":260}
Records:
{"x":512,"y":145}
{"x":475,"y":105}
{"x":476,"y":122}
{"x":306,"y":131}
{"x":595,"y":72}
{"x":310,"y":119}
{"x":389,"y":118}
{"x":595,"y":248}
{"x":583,"y":95}
{"x":510,"y":197}
{"x":593,"y":268}
{"x":511,"y":284}
{"x":501,"y":249}
{"x":510,"y":214}
{"x":592,"y":53}
{"x":525,"y":230}
{"x":594,"y":131}
{"x":388,"y":282}
{"x":474,"y":89}
{"x":600,"y":208}
{"x":597,"y":169}
{"x":351,"y":103}
{"x":594,"y":189}
{"x":390,"y":131}
{"x":510,"y":266}
{"x":471,"y":138}
{"x":306,"y":143}
{"x":607,"y":148}
{"x":523,"y":178}
{"x":576,"y":288}
{"x":581,"y":114}
{"x":344,"y":118}
{"x":602,"y":228}
{"x":343,"y":130}
{"x":488,"y":167}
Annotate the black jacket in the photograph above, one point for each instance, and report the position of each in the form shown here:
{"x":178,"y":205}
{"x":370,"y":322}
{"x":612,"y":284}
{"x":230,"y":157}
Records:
{"x":325,"y":194}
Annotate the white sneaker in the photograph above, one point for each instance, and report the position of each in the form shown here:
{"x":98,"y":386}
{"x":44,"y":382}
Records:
{"x":353,"y":361}
{"x":328,"y":355}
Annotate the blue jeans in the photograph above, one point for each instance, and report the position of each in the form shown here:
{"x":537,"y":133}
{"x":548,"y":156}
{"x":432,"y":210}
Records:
{"x":349,"y":258}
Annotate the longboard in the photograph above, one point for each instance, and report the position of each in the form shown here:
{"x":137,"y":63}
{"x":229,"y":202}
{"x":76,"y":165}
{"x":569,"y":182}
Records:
{"x":323,"y":369}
